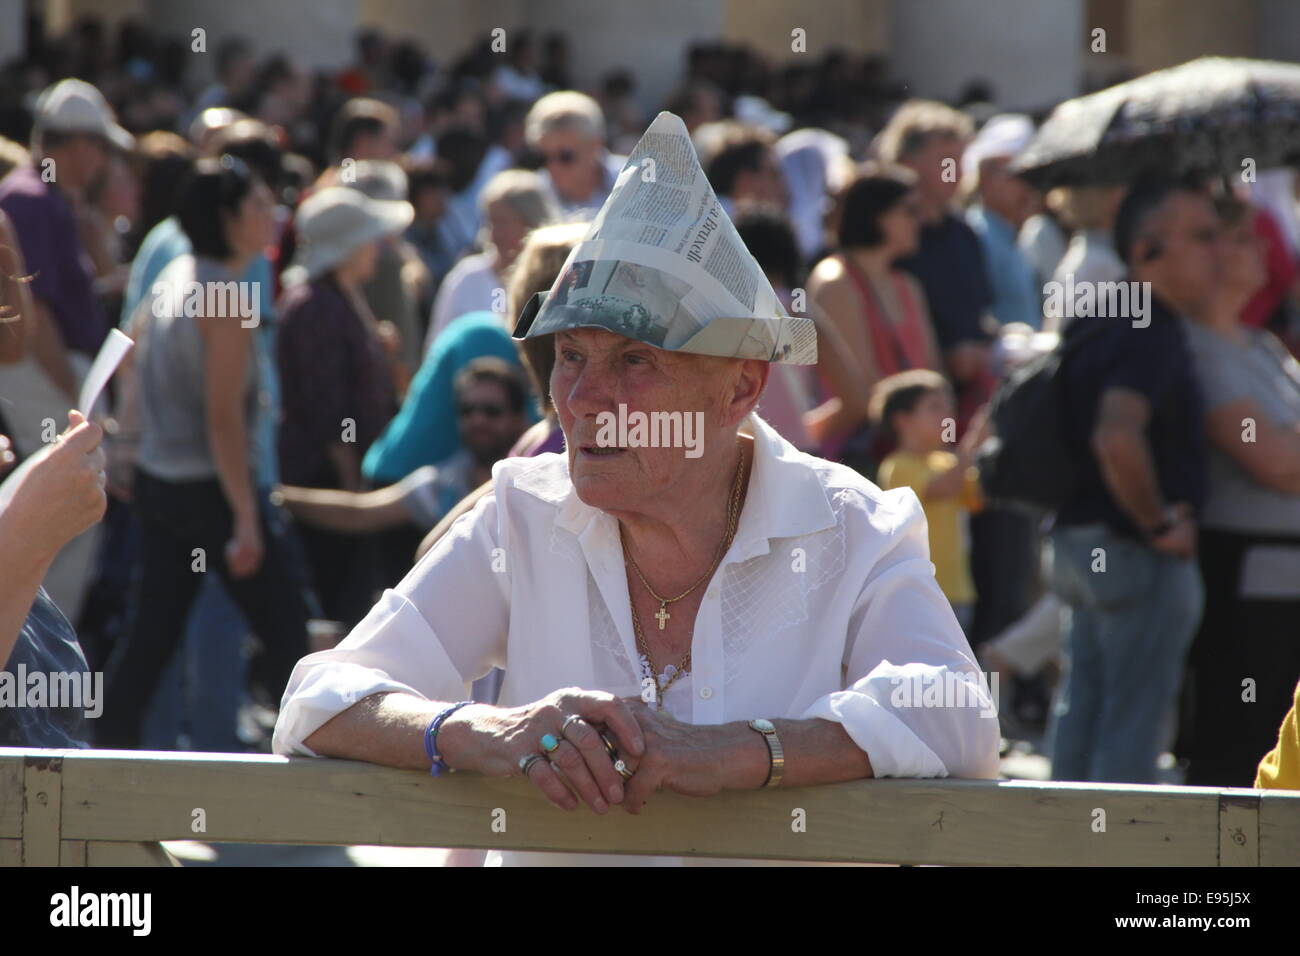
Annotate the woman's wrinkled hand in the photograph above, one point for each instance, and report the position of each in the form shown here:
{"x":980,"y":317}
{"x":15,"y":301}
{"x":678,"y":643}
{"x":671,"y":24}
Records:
{"x":690,"y":759}
{"x":61,"y":492}
{"x":493,"y":740}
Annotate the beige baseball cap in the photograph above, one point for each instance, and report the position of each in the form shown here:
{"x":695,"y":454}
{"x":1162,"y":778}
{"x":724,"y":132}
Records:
{"x":74,"y":106}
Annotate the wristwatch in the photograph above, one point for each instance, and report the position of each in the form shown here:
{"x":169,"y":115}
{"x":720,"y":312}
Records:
{"x":774,"y":749}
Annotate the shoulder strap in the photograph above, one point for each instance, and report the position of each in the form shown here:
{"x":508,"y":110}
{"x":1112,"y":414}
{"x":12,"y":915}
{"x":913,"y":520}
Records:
{"x":873,"y":302}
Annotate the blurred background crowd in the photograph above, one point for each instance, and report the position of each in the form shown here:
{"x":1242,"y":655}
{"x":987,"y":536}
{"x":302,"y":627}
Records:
{"x":391,"y":215}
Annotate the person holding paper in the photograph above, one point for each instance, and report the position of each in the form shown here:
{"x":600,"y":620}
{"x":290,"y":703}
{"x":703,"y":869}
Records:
{"x":74,"y":137}
{"x":193,"y":488}
{"x":52,"y":498}
{"x":735,"y":620}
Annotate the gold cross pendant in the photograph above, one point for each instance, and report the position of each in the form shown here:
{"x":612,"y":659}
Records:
{"x":662,"y":615}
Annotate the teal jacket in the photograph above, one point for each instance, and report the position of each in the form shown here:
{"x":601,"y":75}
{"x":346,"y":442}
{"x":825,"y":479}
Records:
{"x":424,"y":432}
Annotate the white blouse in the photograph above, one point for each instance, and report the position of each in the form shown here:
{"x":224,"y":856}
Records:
{"x":825,"y":606}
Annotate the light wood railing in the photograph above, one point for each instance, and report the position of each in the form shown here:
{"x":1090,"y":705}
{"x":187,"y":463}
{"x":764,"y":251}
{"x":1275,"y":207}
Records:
{"x":105,"y":807}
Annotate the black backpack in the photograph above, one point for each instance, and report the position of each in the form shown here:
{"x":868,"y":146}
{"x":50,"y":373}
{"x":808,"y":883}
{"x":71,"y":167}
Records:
{"x":1027,"y":463}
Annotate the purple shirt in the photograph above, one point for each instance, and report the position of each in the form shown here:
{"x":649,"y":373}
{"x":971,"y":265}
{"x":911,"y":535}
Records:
{"x":61,"y":270}
{"x":331,"y":368}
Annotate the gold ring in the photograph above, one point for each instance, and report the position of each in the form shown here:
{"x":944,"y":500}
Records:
{"x":609,"y":746}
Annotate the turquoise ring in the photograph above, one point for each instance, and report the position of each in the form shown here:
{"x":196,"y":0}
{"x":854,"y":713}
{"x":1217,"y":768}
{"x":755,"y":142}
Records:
{"x":549,"y":743}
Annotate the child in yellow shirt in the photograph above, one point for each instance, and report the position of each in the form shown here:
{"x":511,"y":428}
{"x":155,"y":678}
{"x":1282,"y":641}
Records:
{"x":918,"y":410}
{"x":1280,"y":768}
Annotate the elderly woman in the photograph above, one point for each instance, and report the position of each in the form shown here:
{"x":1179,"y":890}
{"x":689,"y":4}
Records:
{"x":751,"y":617}
{"x":335,"y":375}
{"x":513,"y":203}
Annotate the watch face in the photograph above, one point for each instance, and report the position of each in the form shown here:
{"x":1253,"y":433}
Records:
{"x":763,"y":726}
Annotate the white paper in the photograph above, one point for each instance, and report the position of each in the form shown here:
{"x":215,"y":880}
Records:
{"x":106,"y":362}
{"x":663,"y":263}
{"x":101,"y":370}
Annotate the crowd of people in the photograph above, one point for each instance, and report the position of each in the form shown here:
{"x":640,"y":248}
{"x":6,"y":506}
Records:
{"x":274,"y":460}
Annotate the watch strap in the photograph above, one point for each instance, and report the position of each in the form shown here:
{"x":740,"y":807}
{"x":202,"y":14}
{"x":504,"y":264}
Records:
{"x":776,"y":753}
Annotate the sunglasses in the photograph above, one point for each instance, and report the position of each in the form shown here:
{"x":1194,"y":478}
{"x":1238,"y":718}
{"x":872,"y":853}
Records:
{"x":564,"y":157}
{"x":469,"y":409}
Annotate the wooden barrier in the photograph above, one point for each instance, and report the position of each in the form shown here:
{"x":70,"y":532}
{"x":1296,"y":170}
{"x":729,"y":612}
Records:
{"x":100,"y":807}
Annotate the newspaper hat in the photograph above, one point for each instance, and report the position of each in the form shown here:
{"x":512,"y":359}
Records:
{"x":662,"y":263}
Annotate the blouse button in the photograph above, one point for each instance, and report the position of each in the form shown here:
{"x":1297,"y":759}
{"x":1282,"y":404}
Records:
{"x":706,"y":693}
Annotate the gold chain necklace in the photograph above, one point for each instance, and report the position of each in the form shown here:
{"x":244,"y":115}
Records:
{"x":662,"y":615}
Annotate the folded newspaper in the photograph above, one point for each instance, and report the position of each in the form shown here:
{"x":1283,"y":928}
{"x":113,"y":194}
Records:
{"x":663,"y":264}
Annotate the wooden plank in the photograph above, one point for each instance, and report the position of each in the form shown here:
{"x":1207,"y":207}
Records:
{"x":113,"y":853}
{"x":11,"y":796}
{"x":274,"y":800}
{"x":72,"y":853}
{"x":1279,"y":830}
{"x":11,"y":852}
{"x":42,"y":805}
{"x":114,"y":797}
{"x":1239,"y":829}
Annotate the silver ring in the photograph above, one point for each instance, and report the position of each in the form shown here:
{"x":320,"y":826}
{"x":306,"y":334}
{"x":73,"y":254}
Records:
{"x":526,"y":762}
{"x":621,"y":767}
{"x":564,"y":727}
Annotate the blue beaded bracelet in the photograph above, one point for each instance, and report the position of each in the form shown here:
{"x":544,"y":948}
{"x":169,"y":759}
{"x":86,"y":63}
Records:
{"x":438,"y":765}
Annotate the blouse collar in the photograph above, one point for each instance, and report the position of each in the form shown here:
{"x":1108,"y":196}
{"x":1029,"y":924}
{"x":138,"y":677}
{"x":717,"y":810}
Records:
{"x":786,"y":496}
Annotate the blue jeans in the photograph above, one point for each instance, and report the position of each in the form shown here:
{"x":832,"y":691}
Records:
{"x":201,"y":689}
{"x":1131,"y":627}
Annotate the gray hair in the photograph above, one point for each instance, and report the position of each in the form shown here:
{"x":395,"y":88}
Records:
{"x":564,"y":109}
{"x":522,"y":191}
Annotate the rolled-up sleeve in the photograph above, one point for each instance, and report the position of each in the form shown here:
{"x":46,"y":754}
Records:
{"x":915,"y":701}
{"x":441,"y":628}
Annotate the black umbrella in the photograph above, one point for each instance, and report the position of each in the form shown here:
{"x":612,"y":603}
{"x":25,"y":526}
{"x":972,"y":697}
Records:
{"x":1205,"y":116}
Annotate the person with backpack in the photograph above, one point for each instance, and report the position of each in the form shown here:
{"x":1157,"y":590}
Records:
{"x":1125,"y":535}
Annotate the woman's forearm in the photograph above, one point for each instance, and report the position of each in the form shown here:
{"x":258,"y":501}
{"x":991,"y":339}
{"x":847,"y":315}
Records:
{"x":816,"y":751}
{"x":228,"y":438}
{"x":22,"y":577}
{"x":351,"y":512}
{"x":386,"y":729}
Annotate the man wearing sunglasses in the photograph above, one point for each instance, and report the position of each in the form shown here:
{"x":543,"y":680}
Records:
{"x":490,"y":415}
{"x":567,"y":131}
